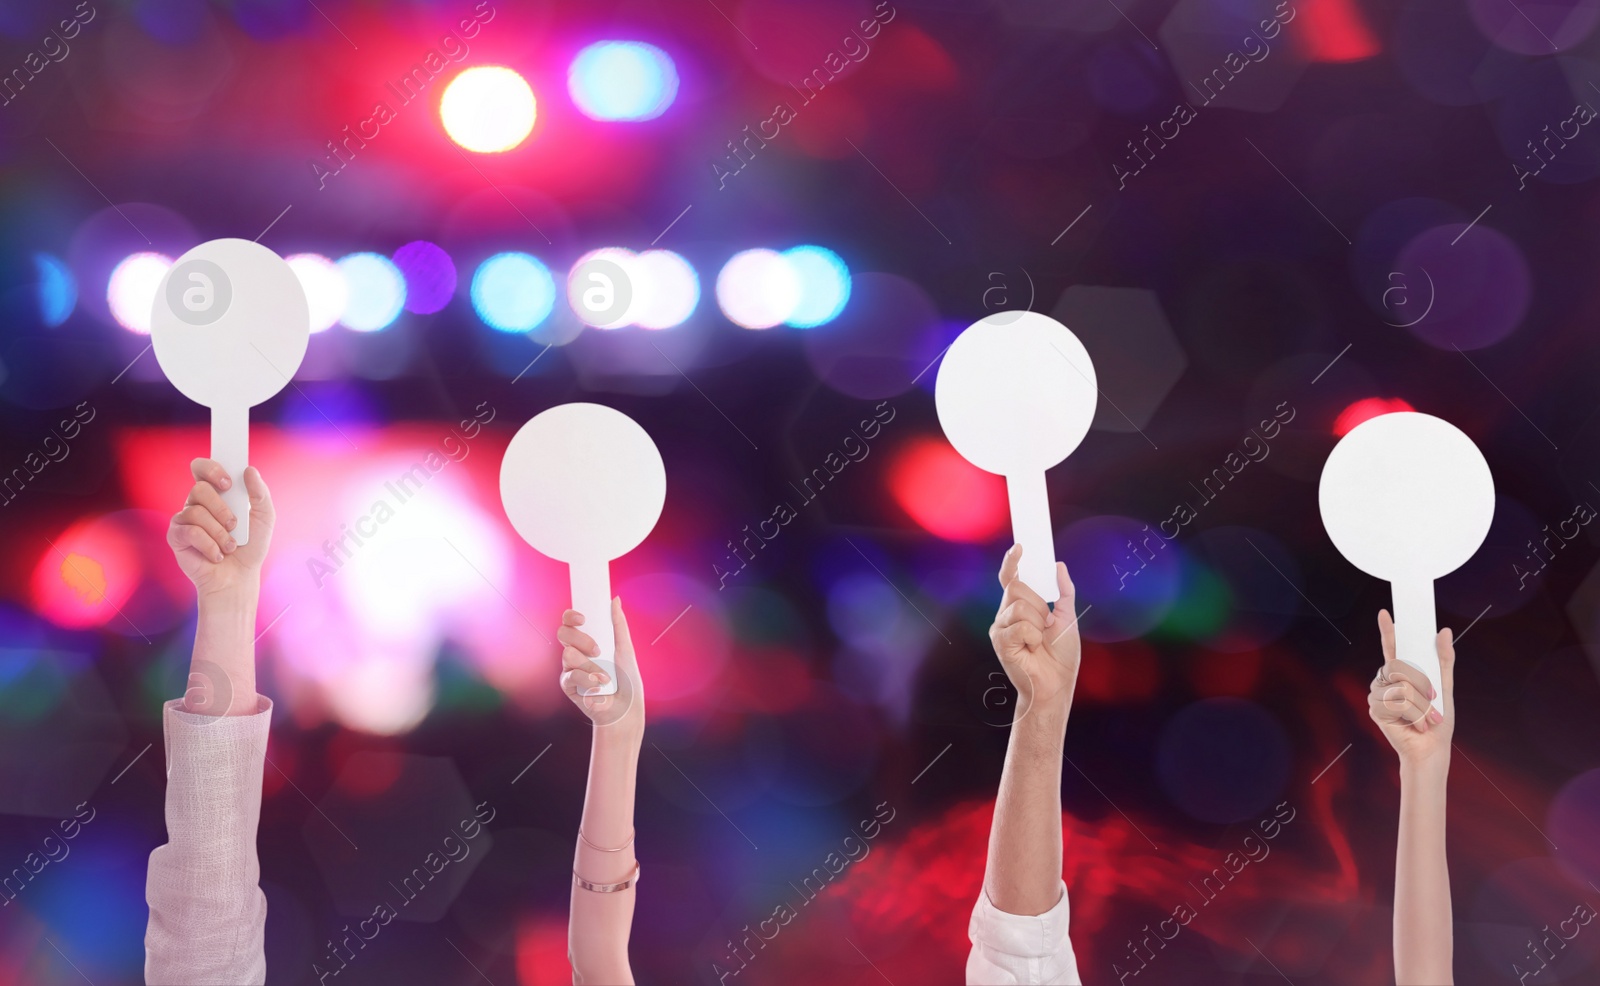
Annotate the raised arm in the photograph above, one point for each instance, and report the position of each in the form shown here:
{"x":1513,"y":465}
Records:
{"x":1019,"y":926}
{"x":207,"y":912}
{"x":604,"y":870}
{"x":1400,"y":703}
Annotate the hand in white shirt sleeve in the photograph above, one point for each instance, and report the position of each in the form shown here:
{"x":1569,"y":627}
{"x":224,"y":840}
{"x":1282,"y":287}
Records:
{"x":208,"y":916}
{"x":1013,"y":949}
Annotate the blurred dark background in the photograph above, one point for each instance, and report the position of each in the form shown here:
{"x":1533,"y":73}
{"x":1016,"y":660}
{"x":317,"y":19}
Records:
{"x":1266,"y":222}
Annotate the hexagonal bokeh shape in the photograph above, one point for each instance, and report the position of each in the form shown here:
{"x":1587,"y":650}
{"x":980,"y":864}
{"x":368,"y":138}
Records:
{"x":1224,"y":57}
{"x":1137,"y":358}
{"x":397,"y":830}
{"x":1583,"y":611}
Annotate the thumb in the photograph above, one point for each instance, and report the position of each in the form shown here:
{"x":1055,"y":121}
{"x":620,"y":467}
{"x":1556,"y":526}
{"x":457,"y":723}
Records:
{"x":1065,"y":587}
{"x":261,"y":508}
{"x":619,"y":627}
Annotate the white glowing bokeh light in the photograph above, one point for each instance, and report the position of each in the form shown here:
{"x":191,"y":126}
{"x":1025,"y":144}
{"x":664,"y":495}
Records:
{"x":824,"y":285}
{"x":622,"y":81}
{"x":666,"y":292}
{"x":488,"y":109}
{"x":377,"y":291}
{"x":758,"y":289}
{"x":327,"y":291}
{"x":131,"y":292}
{"x":584,"y":295}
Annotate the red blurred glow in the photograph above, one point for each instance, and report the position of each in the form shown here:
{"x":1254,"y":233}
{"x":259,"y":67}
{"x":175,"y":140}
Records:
{"x":1130,"y":672}
{"x":945,"y":494}
{"x":1364,"y":410}
{"x":86,"y":574}
{"x":542,"y":952}
{"x":362,"y":776}
{"x":770,"y":680}
{"x":1334,"y":31}
{"x":1217,"y":675}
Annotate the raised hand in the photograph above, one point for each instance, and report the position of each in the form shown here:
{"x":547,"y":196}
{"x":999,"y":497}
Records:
{"x":1401,"y":698}
{"x":199,"y":532}
{"x":1038,"y":649}
{"x":626,"y":707}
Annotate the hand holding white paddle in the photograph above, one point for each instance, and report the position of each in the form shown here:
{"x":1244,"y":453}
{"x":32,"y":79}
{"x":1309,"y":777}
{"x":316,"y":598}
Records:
{"x":1408,"y":498}
{"x":1015,"y":395}
{"x":230,"y":328}
{"x":584,"y":484}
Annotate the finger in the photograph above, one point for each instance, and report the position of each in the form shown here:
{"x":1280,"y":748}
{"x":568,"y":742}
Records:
{"x":572,"y":618}
{"x":1019,"y":591}
{"x":1445,"y":644}
{"x":1021,"y":611}
{"x":1402,"y":703}
{"x":1396,"y":671}
{"x":1386,"y":635}
{"x":623,"y":654}
{"x":1019,"y":637}
{"x":575,"y":660}
{"x":573,"y":637}
{"x":1009,"y":565}
{"x":575,"y":683}
{"x":197,"y":516}
{"x":261,"y":507}
{"x":1068,"y":591}
{"x":205,"y":495}
{"x":189,"y":537}
{"x":210,"y":471}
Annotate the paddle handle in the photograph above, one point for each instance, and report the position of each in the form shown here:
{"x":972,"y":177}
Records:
{"x":591,"y":596}
{"x":230,"y":447}
{"x":1031,"y":528}
{"x":1415,"y":627}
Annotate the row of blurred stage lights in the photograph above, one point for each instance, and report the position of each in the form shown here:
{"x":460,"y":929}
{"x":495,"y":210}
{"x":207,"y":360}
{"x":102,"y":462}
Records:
{"x":802,"y":287}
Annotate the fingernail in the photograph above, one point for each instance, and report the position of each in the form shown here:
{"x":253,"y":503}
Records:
{"x":232,"y":523}
{"x":229,"y":545}
{"x":1050,"y":620}
{"x":1435,"y":716}
{"x":224,"y":483}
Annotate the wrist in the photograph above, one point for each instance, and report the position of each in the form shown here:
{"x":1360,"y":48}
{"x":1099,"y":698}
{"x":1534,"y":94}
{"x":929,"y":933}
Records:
{"x":625,"y":734}
{"x":1430,"y":771}
{"x":236,"y":597}
{"x":1044,"y":714}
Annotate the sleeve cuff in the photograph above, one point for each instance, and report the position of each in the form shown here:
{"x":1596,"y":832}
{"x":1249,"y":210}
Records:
{"x":1034,"y":936}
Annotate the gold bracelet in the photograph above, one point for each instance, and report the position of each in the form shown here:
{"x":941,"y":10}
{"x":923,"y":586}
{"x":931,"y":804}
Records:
{"x":596,"y":848}
{"x":608,"y":888}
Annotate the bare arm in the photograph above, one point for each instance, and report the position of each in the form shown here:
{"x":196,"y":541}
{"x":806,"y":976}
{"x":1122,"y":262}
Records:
{"x":207,"y":912}
{"x":600,"y":923}
{"x":1039,"y":651}
{"x":1399,"y":703}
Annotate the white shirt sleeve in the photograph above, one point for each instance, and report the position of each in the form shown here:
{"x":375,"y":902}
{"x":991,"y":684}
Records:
{"x":1016,"y":949}
{"x":208,"y":916}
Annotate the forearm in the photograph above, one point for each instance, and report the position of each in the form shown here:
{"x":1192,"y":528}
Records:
{"x":1023,"y":875}
{"x":1423,"y":930}
{"x":224,"y":657}
{"x":601,"y":922}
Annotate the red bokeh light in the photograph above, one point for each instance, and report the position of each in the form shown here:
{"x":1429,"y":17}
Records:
{"x":1129,"y":672}
{"x":946,"y":494}
{"x":542,"y":952}
{"x":1366,"y":409}
{"x":1334,"y":31}
{"x":86,"y":574}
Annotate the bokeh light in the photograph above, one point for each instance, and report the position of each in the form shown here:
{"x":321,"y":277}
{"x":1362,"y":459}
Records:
{"x":430,"y":276}
{"x":622,"y":81}
{"x":824,"y":285}
{"x":513,"y":292}
{"x":58,"y":289}
{"x":605,"y":287}
{"x":946,"y":494}
{"x":327,"y":291}
{"x":132,"y":291}
{"x":1365,"y":410}
{"x":377,"y":291}
{"x":488,"y":109}
{"x":667,"y":291}
{"x":758,"y":289}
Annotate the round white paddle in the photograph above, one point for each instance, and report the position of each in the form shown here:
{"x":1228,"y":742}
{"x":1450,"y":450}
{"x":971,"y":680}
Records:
{"x":229,"y":328}
{"x":1015,"y":395}
{"x":584,"y":484}
{"x":1408,"y":498}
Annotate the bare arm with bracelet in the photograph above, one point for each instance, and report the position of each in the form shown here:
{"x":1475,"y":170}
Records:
{"x":604,"y":869}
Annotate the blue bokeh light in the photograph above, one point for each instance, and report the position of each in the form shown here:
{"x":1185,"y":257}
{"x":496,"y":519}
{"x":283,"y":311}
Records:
{"x":58,"y":290}
{"x":622,"y":81}
{"x":513,"y":292}
{"x":824,"y":285}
